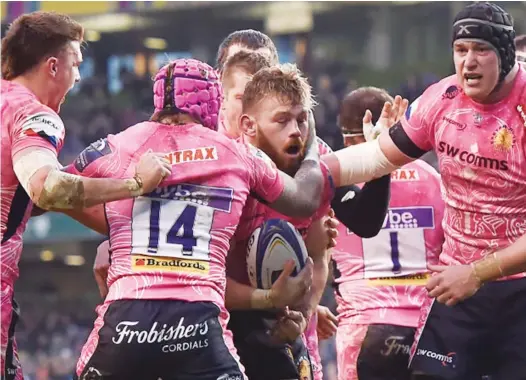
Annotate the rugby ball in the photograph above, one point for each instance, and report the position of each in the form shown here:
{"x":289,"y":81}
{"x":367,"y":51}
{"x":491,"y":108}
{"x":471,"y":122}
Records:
{"x":270,"y":246}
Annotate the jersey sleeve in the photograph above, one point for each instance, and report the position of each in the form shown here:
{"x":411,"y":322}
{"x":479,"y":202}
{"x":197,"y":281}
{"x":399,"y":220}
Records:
{"x":265,"y":180}
{"x":37,"y":126}
{"x":99,"y":160}
{"x":418,"y":121}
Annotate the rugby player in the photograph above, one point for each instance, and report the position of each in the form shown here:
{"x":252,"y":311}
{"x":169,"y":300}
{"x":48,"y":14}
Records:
{"x":164,"y":315}
{"x":379,"y":282}
{"x":248,"y":40}
{"x":275,"y":106}
{"x":40,"y":64}
{"x":370,"y":202}
{"x":475,"y":122}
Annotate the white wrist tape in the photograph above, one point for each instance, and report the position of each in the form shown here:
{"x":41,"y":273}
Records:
{"x":371,"y":132}
{"x":27,"y":165}
{"x":362,"y":163}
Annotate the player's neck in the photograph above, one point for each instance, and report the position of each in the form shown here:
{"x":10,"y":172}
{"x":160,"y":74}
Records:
{"x":232,"y":133}
{"x":251,"y":140}
{"x":35,"y":84}
{"x":505,"y":88}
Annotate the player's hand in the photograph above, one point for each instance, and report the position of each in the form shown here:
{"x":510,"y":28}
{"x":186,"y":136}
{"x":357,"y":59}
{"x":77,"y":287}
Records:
{"x":398,"y":110}
{"x":288,"y":290}
{"x":290,"y":326}
{"x":152,"y":169}
{"x":331,"y":225}
{"x":327,"y":323}
{"x":390,"y":115}
{"x":101,"y":267}
{"x":452,"y":284}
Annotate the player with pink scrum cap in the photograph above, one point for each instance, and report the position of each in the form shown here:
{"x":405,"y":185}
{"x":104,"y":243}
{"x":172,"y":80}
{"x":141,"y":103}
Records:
{"x":164,"y":315}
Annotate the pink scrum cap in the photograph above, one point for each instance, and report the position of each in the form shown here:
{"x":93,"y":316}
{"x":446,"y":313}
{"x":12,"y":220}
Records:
{"x":191,"y":86}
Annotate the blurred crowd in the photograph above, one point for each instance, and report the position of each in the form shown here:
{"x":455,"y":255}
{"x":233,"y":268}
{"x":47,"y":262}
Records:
{"x":50,"y":337}
{"x":92,"y":112}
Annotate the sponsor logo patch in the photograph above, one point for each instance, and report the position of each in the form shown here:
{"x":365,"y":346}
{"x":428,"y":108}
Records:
{"x":412,"y":279}
{"x":45,"y":125}
{"x":404,"y":175}
{"x":219,"y":198}
{"x":451,"y":92}
{"x":92,"y":153}
{"x":472,"y":158}
{"x":409,"y":217}
{"x":141,"y":263}
{"x":192,"y":155}
{"x":459,"y":126}
{"x":446,"y":360}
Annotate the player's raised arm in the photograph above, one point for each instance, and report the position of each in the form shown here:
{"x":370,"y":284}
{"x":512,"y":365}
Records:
{"x":378,"y":157}
{"x":39,"y":172}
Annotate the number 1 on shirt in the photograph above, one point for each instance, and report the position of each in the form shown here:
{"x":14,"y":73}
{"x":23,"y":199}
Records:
{"x":395,"y":252}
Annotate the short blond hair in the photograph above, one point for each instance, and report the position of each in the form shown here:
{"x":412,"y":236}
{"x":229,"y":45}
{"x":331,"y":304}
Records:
{"x":284,"y":81}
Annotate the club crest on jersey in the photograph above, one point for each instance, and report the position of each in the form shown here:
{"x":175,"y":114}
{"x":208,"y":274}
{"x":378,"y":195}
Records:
{"x":403,"y":175}
{"x":192,"y":155}
{"x":409,"y":217}
{"x":503,"y":138}
{"x":142,"y":263}
{"x":522,"y":112}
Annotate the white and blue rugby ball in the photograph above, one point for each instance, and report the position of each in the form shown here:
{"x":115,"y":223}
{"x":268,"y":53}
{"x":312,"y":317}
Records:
{"x":270,"y":246}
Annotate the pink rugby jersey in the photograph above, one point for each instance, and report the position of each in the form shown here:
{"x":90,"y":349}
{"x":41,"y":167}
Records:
{"x":173,"y":242}
{"x":380,"y":279}
{"x":255,"y":213}
{"x":26,"y":123}
{"x":481,"y":154}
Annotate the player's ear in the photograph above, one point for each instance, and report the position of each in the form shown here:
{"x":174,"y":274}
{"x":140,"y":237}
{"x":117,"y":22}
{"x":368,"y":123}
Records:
{"x":247,"y":125}
{"x":51,"y":66}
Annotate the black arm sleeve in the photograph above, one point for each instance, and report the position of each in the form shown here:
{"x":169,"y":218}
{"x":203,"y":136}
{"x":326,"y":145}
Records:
{"x":404,"y":143}
{"x":365,"y":213}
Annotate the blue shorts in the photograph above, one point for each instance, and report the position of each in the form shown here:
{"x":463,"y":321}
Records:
{"x":167,"y":339}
